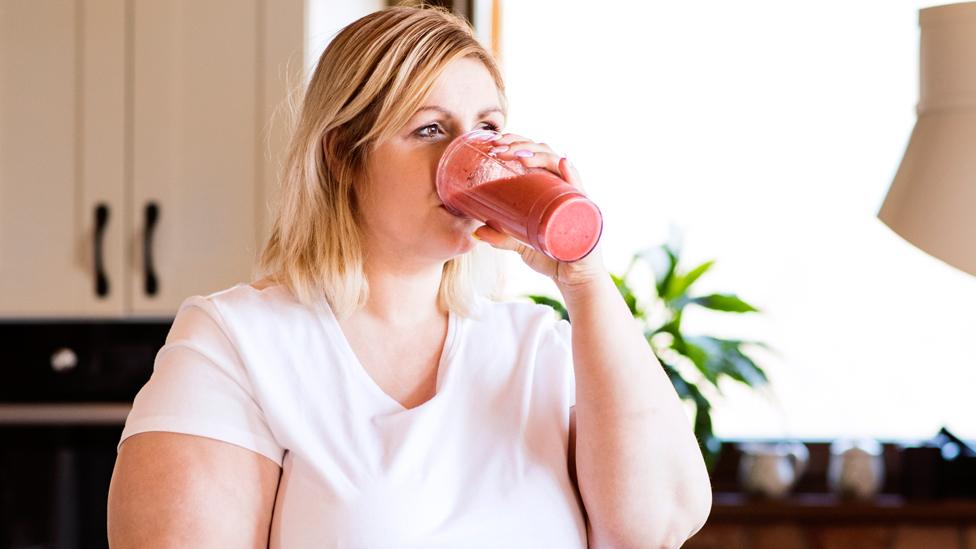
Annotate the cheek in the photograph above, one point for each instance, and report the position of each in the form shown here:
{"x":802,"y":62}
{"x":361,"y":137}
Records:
{"x":401,"y":190}
{"x":399,"y":208}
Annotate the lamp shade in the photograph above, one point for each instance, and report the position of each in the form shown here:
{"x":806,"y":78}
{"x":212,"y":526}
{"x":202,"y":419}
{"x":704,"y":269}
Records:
{"x":932,"y":200}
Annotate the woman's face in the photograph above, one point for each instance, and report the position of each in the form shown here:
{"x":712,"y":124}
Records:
{"x":401,"y":209}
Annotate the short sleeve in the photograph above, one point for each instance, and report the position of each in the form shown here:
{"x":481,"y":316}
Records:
{"x":199,"y":386}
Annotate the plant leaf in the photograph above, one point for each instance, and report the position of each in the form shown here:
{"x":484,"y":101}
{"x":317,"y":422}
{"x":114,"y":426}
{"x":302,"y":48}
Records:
{"x":724,"y":302}
{"x":746,"y":370}
{"x":681,"y":284}
{"x":678,"y":303}
{"x":725,"y":357}
{"x":630,"y":266}
{"x":669,"y":275}
{"x":681,"y":386}
{"x":663,"y":261}
{"x":757,"y":343}
{"x":701,"y":359}
{"x":629,"y":298}
{"x":710,"y":444}
{"x":555,"y":304}
{"x":673,"y":326}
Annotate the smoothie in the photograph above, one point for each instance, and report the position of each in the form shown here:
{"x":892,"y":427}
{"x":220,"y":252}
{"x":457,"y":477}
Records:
{"x":531,"y":204}
{"x":539,"y":209}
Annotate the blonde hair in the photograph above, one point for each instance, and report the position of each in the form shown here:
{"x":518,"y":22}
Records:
{"x":368,"y":83}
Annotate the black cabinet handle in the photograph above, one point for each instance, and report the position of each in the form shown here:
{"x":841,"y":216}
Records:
{"x":152,"y":216}
{"x":101,"y":221}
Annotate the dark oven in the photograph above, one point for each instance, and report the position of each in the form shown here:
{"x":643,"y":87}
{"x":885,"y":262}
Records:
{"x":65,"y":390}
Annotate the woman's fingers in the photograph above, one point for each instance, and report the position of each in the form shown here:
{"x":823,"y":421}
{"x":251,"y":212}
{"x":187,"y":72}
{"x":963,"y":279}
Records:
{"x":543,"y":157}
{"x":530,"y":154}
{"x":540,"y":155}
{"x":568,"y":172}
{"x":508,"y":139}
{"x":498,"y":239}
{"x":536,"y":260}
{"x":511,"y":147}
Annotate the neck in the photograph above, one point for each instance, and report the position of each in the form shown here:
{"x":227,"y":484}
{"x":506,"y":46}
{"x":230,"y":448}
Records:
{"x":401,"y":293}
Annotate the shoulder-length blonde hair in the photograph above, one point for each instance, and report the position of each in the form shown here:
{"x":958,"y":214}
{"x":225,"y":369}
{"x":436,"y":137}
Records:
{"x":369,"y":81}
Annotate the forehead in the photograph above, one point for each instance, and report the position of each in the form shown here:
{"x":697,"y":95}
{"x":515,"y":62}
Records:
{"x":437,"y":109}
{"x":465,"y":86}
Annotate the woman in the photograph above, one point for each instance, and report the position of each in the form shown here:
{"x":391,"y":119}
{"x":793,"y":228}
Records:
{"x":364,"y":393}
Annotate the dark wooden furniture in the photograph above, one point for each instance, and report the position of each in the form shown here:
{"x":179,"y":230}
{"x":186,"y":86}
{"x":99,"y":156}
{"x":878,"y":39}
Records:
{"x":814,"y":518}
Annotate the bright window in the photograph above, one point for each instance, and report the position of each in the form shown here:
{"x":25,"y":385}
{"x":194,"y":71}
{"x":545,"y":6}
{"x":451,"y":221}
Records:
{"x":769,"y":133}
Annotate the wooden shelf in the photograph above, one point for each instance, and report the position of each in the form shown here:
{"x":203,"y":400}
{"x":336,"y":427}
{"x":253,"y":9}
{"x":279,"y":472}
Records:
{"x":820,"y":507}
{"x":814,"y":518}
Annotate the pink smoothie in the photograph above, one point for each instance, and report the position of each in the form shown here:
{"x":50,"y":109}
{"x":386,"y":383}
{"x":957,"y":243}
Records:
{"x":537,"y":208}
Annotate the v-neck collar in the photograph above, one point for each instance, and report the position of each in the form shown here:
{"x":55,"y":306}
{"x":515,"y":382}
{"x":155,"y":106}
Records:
{"x":358,"y":371}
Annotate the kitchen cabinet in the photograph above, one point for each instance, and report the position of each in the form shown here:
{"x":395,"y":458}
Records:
{"x":137,"y":149}
{"x":61,"y":154}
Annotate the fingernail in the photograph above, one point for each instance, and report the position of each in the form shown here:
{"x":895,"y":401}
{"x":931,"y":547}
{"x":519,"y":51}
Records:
{"x":499,"y":149}
{"x":524,"y":153}
{"x":483,"y":135}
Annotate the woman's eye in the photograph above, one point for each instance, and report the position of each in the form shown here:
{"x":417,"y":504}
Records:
{"x":424,"y":133}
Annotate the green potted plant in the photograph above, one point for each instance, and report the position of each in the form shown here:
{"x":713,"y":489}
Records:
{"x":710,"y":358}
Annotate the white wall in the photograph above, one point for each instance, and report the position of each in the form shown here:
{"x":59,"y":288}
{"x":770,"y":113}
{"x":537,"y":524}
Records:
{"x":325,"y":18}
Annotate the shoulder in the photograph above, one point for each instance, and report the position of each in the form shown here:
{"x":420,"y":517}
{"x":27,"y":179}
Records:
{"x":240,"y":312}
{"x":253,"y":335}
{"x":516,"y":309}
{"x":243,"y":300}
{"x":525,"y":318}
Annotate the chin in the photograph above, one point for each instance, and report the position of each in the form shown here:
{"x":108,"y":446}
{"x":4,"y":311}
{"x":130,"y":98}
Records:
{"x":456,"y":242}
{"x":463,"y":244}
{"x":454,"y":235}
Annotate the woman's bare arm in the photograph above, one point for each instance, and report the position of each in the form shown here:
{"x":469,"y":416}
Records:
{"x":178,"y":490}
{"x":638,"y":465}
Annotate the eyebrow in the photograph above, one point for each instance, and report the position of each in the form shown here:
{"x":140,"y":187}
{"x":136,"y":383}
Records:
{"x":446,"y":112}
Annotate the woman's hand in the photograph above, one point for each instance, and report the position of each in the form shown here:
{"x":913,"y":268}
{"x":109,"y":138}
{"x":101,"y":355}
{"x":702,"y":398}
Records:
{"x":566,"y":275}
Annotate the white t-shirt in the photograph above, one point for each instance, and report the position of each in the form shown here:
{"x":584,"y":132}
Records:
{"x":481,"y":464}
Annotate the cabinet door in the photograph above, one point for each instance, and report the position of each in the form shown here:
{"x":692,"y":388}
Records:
{"x":61,"y":157}
{"x":195,"y":148}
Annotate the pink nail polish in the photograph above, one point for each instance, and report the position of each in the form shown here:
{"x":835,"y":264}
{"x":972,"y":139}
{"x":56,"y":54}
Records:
{"x":484,"y":135}
{"x":524,"y":153}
